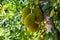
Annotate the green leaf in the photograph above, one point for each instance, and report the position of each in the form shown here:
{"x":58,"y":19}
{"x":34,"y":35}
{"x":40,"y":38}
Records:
{"x":1,"y":37}
{"x":36,"y":1}
{"x":52,"y":13}
{"x":45,"y":7}
{"x":48,"y":36}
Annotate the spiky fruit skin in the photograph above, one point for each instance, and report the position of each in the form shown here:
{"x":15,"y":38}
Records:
{"x":29,"y":20}
{"x":38,"y":15}
{"x":25,"y":12}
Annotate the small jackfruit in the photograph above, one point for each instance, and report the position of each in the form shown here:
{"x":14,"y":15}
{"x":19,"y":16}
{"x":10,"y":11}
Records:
{"x":25,"y":12}
{"x":33,"y":28}
{"x":38,"y":15}
{"x":29,"y":20}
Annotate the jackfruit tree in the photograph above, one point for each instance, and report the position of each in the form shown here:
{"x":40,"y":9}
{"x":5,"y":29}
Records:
{"x":29,"y":19}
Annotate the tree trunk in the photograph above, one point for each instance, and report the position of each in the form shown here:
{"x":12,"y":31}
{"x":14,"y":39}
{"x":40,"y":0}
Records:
{"x":47,"y":20}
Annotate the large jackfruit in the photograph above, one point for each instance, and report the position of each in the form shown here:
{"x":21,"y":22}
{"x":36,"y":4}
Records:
{"x":29,"y":23}
{"x":38,"y":15}
{"x":25,"y":12}
{"x":29,"y":20}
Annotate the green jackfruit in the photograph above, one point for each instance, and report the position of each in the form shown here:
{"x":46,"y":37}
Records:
{"x":25,"y":12}
{"x":32,"y":18}
{"x":33,"y":28}
{"x":29,"y":20}
{"x":29,"y":23}
{"x":38,"y":15}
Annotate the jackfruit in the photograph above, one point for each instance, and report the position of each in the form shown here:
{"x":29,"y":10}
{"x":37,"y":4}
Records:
{"x":29,"y":23}
{"x":33,"y":28}
{"x":32,"y":18}
{"x":38,"y":15}
{"x":29,"y":20}
{"x":25,"y":12}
